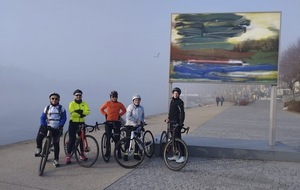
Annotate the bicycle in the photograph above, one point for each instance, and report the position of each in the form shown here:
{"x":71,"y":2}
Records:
{"x":131,"y":148}
{"x":85,"y":145}
{"x":147,"y":138}
{"x":107,"y":139}
{"x":174,"y":149}
{"x":46,"y":150}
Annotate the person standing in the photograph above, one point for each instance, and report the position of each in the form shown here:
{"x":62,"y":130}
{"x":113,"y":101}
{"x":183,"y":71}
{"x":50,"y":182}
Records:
{"x":135,"y":116}
{"x":113,"y":111}
{"x":222,"y":100}
{"x":78,"y":109}
{"x":217,"y":100}
{"x":176,"y":116}
{"x":54,"y":116}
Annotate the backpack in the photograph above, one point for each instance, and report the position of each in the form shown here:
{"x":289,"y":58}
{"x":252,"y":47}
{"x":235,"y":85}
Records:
{"x":59,"y":110}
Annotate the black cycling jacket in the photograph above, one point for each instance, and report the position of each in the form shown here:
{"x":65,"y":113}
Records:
{"x":176,"y":112}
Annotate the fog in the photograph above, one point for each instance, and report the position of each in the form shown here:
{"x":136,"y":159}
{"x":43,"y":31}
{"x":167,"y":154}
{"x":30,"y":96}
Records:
{"x":97,"y":46}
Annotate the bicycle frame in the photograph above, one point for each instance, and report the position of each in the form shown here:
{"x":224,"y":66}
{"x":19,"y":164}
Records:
{"x":134,"y":134}
{"x":112,"y":136}
{"x":85,"y":145}
{"x":82,"y":136}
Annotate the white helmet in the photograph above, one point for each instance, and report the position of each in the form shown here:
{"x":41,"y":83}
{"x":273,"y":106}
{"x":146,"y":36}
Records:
{"x":136,"y":96}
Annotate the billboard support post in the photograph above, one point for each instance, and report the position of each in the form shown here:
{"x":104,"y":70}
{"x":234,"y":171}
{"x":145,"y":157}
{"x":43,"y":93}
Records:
{"x":272,"y":129}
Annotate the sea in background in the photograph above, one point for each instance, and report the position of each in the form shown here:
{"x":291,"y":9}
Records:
{"x":16,"y":127}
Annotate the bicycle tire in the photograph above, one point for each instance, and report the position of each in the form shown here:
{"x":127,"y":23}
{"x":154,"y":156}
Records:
{"x":149,"y":143}
{"x":105,"y":147}
{"x":90,"y":151}
{"x":170,"y":151}
{"x":132,"y":162}
{"x":162,"y":142}
{"x":44,"y":155}
{"x":66,"y":142}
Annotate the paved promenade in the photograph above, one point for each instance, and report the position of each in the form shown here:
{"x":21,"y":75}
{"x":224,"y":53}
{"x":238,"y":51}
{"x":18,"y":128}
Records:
{"x":19,"y":167}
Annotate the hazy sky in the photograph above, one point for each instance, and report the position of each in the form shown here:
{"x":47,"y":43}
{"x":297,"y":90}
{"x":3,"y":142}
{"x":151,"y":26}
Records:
{"x":99,"y":46}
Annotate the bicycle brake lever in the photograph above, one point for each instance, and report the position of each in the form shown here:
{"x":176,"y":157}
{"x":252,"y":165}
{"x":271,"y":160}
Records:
{"x":187,"y":130}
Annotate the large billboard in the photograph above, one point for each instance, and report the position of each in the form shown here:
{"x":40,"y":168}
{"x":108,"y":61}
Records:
{"x":225,"y":47}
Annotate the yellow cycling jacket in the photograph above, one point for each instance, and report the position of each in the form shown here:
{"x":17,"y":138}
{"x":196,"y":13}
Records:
{"x":75,"y":117}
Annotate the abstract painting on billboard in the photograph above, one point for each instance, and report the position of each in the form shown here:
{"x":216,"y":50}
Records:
{"x":225,"y":47}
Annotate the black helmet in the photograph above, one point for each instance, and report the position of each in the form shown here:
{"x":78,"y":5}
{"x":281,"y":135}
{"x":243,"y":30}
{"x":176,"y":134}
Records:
{"x":54,"y":94}
{"x":113,"y":94}
{"x":77,"y":91}
{"x":177,"y":90}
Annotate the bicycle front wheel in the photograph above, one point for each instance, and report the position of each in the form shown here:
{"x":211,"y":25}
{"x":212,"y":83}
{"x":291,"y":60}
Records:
{"x":149,"y":143}
{"x":87,"y":155}
{"x":105,"y":147}
{"x":44,"y":155}
{"x":176,"y":154}
{"x":129,"y":153}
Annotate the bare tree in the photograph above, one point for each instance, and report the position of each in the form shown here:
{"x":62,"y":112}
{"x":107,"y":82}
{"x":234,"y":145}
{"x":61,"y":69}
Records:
{"x":289,"y":66}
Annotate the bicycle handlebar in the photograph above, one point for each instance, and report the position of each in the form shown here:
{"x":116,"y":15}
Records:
{"x":51,"y":128}
{"x":93,"y":127}
{"x":135,"y":128}
{"x":185,"y":130}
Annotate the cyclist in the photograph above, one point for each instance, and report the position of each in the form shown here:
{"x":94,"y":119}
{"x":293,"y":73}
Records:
{"x":78,"y":109}
{"x":113,"y":111}
{"x":54,"y":116}
{"x":135,"y":116}
{"x":176,"y":115}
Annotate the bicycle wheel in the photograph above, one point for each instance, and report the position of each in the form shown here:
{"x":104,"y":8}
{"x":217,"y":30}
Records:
{"x":66,"y":142}
{"x":89,"y":155}
{"x":44,"y":155}
{"x":149,"y":143}
{"x":162,"y":142}
{"x":105,"y":147}
{"x":132,"y":160}
{"x":174,"y":151}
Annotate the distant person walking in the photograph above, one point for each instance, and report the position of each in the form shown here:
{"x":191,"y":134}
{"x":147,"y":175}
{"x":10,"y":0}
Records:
{"x":78,"y":110}
{"x":222,"y":100}
{"x":54,"y":116}
{"x":113,"y":111}
{"x":217,"y":100}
